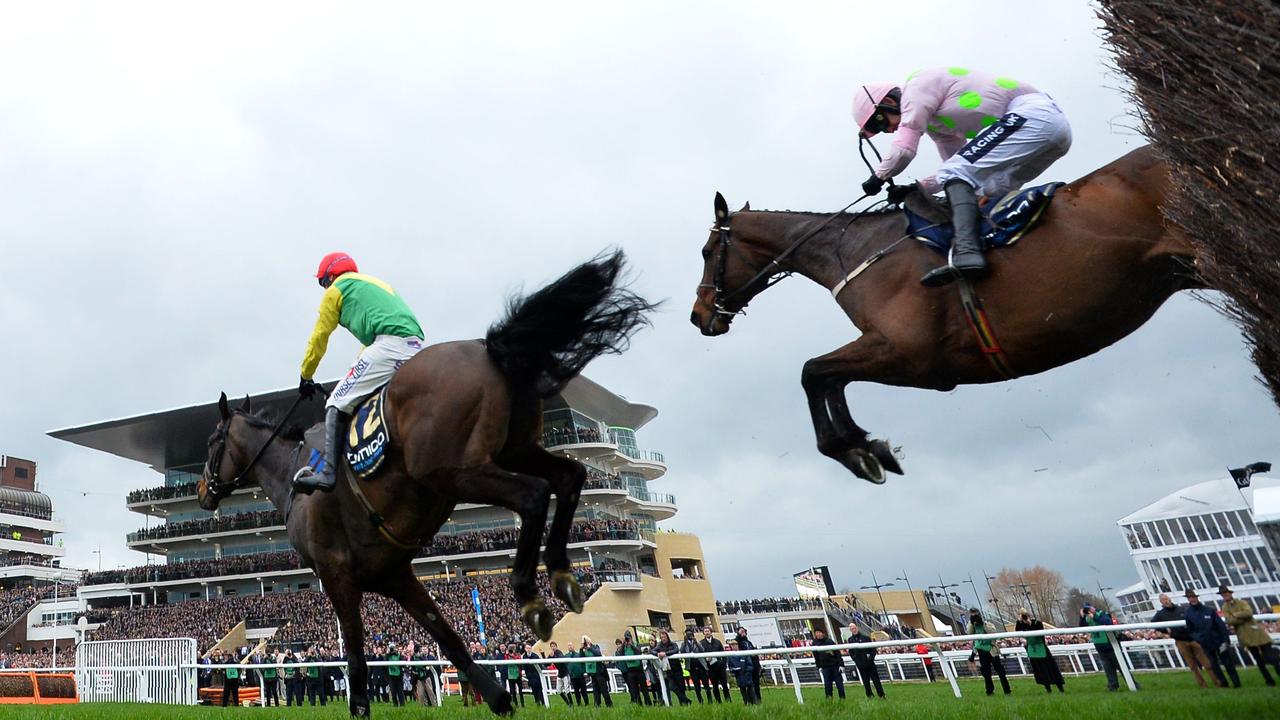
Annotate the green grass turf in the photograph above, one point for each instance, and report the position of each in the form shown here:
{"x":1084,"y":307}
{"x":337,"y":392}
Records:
{"x":1164,"y":696}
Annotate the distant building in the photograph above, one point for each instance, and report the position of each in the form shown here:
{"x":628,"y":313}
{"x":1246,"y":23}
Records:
{"x":1200,"y":537}
{"x":31,"y":554}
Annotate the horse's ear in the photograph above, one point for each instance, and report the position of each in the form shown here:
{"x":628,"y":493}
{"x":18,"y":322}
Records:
{"x":222,"y":406}
{"x":246,"y":406}
{"x":722,"y":208}
{"x":746,"y":206}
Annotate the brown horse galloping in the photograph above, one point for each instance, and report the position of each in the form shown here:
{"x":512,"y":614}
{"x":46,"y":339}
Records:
{"x":1097,"y":267}
{"x":467,"y":420}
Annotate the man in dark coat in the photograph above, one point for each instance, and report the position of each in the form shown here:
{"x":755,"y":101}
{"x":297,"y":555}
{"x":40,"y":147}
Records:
{"x":830,"y":663}
{"x":865,"y":660}
{"x":1209,"y":630}
{"x":756,"y":669}
{"x":697,"y":666}
{"x":675,"y":670}
{"x":716,"y":668}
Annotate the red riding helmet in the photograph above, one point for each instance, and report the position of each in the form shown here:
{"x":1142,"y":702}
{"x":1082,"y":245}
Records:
{"x":334,"y":264}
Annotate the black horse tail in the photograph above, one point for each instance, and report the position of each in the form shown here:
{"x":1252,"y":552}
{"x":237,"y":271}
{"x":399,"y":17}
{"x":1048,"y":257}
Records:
{"x":547,"y":338}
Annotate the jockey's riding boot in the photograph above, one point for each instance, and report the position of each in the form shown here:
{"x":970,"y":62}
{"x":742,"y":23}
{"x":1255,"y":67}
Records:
{"x":307,"y":483}
{"x":966,"y":247}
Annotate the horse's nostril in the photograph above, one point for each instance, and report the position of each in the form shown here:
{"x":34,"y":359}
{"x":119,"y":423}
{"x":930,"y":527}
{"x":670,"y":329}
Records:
{"x":693,"y":317}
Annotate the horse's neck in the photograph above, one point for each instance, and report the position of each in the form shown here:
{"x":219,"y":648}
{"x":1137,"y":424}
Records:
{"x":274,"y":472}
{"x":835,"y":248}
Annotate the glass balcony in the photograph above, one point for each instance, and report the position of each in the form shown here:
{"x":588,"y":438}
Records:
{"x":643,"y":455}
{"x":650,"y":497}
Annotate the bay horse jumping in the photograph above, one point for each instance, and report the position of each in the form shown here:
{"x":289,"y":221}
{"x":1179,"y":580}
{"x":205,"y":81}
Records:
{"x":466,"y":421}
{"x":1097,"y":267}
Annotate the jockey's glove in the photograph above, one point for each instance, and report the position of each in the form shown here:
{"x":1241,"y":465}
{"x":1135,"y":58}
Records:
{"x":307,"y":388}
{"x":872,"y":186}
{"x":898,"y":193}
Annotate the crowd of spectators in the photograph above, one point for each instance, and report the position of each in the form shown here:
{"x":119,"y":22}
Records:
{"x":15,"y":601}
{"x":39,"y":658}
{"x":767,"y":605}
{"x":305,"y":618}
{"x":204,"y":526}
{"x":164,"y":492}
{"x":571,"y":436}
{"x":190,"y":569}
{"x":10,"y":559}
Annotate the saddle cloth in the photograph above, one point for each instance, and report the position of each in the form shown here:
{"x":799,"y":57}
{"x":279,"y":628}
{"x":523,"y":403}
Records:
{"x":1003,"y":222}
{"x":367,"y":438}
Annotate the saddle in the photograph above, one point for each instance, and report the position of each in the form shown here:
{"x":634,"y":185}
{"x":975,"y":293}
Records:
{"x":367,"y":438}
{"x":1003,"y":221}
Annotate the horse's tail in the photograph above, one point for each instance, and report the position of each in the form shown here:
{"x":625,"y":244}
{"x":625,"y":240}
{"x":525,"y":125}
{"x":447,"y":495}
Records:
{"x":547,"y":338}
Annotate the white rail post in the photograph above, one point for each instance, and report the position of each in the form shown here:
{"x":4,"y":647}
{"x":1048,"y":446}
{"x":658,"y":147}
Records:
{"x":948,"y":671}
{"x":1122,"y":661}
{"x":795,"y":678}
{"x":662,"y":682}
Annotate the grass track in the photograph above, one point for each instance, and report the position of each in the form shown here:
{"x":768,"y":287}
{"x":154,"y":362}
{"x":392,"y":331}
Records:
{"x":1165,"y":696}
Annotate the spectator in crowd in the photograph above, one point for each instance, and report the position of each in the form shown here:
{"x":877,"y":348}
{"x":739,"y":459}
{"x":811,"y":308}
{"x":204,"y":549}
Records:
{"x":632,"y":673}
{"x":270,"y":681}
{"x":394,"y":675}
{"x":743,"y":673}
{"x":563,"y":687}
{"x":1043,"y":666}
{"x":926,"y":660}
{"x":514,"y":686}
{"x":314,"y":679}
{"x":830,"y":664}
{"x":598,"y":672}
{"x":425,"y":677}
{"x":987,"y":654}
{"x":697,"y":666}
{"x":464,"y":680}
{"x":577,"y":676}
{"x":295,"y":677}
{"x":231,"y":683}
{"x":757,"y":670}
{"x":1192,"y":653}
{"x":533,"y":675}
{"x":1238,"y":614}
{"x":1103,"y":643}
{"x":716,"y":668}
{"x":674,"y":668}
{"x":1211,"y":633}
{"x":865,"y":660}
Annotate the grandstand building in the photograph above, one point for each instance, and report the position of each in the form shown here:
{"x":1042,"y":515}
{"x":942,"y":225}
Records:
{"x":30,"y":563}
{"x":1200,"y":537}
{"x":641,"y":576}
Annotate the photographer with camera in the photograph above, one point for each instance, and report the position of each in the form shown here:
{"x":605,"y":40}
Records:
{"x":1103,"y":643}
{"x":987,"y":653}
{"x":1043,"y":666}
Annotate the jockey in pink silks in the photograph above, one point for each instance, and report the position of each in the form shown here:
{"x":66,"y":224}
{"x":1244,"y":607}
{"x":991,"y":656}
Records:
{"x":993,"y":133}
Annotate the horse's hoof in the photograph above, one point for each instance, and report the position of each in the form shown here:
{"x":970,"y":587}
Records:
{"x":539,"y":618}
{"x":500,"y":704}
{"x":359,"y":708}
{"x":864,"y":465}
{"x":884,"y":453}
{"x":566,"y":588}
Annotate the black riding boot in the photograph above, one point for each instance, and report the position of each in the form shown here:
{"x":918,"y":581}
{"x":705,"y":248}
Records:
{"x":306,"y":483}
{"x":966,"y":247}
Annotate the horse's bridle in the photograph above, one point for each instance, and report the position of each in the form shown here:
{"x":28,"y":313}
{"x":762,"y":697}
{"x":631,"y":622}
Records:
{"x":773,"y":272}
{"x":217,"y":487}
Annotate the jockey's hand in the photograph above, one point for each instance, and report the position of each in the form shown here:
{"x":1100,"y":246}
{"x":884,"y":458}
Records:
{"x":307,"y":388}
{"x":898,"y":193}
{"x":871,"y":186}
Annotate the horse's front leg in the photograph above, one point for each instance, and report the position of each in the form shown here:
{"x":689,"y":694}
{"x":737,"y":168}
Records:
{"x":839,"y":437}
{"x":346,"y":604}
{"x":415,"y":599}
{"x":566,"y":478}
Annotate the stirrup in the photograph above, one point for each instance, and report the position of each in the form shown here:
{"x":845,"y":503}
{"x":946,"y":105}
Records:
{"x":307,"y":481}
{"x":940,"y":277}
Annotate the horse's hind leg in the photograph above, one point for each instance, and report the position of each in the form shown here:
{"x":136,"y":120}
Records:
{"x":415,"y":599}
{"x":824,"y":378}
{"x":566,"y":477}
{"x":346,"y":604}
{"x":526,"y":495}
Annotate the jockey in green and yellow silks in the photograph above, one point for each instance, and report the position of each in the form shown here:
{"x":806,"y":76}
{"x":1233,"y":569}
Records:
{"x":379,"y":318}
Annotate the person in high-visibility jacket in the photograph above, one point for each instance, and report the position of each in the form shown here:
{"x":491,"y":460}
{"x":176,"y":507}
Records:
{"x":381,"y":320}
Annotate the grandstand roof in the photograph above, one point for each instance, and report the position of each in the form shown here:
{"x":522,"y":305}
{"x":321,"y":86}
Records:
{"x":177,"y":437}
{"x":1198,"y":499}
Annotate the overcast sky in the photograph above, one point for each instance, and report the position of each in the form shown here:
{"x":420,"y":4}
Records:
{"x":169,"y":180}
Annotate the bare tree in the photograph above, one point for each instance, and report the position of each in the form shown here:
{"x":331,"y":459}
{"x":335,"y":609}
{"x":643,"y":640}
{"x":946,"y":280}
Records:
{"x":1038,"y":589}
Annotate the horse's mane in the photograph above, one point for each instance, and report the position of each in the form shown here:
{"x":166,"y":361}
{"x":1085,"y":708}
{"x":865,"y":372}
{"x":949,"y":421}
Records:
{"x":265,"y":419}
{"x":814,"y":213}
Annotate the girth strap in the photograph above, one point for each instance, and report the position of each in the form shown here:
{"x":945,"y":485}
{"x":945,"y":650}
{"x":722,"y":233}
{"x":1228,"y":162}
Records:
{"x":374,"y":516}
{"x":981,"y":326}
